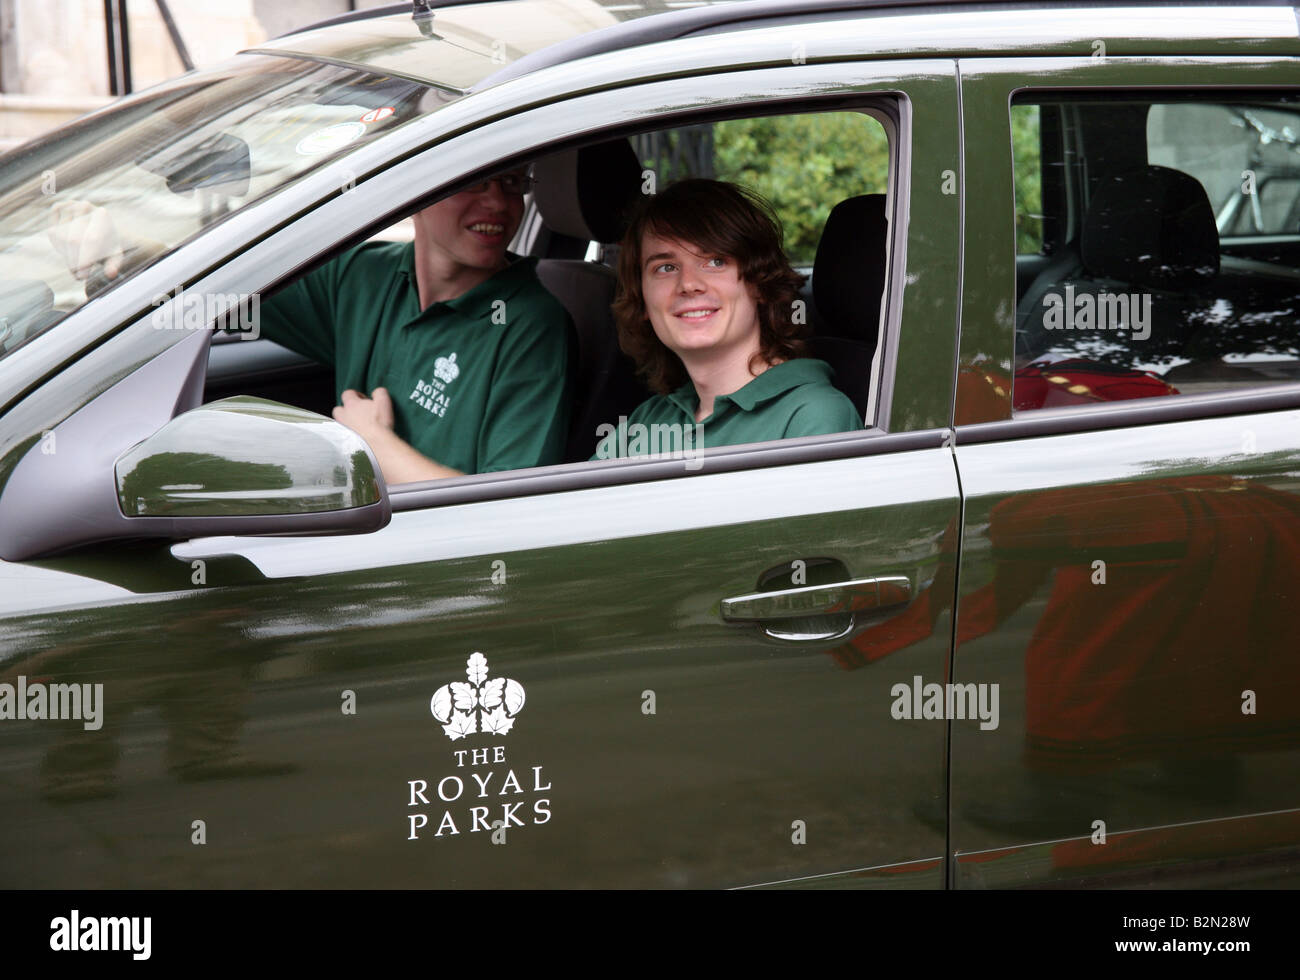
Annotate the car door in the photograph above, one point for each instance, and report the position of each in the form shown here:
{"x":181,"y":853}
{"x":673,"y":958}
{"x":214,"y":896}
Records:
{"x":1127,"y":571}
{"x":632,"y":673}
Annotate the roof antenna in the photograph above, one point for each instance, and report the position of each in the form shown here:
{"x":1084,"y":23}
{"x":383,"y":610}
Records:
{"x":423,"y":17}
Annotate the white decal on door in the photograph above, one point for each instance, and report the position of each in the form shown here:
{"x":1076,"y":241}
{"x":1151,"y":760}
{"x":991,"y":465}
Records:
{"x":482,"y":790}
{"x":482,"y":705}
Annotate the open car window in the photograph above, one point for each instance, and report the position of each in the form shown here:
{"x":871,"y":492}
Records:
{"x":803,"y":163}
{"x":807,"y":165}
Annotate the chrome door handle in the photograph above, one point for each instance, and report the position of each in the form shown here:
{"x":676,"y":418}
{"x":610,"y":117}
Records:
{"x":859,"y":595}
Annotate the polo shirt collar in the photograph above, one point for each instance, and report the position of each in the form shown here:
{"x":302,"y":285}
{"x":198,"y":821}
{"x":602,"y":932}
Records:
{"x":685,"y":399}
{"x":772,"y":383}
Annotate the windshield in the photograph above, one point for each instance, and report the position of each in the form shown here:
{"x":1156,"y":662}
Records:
{"x":83,"y":207}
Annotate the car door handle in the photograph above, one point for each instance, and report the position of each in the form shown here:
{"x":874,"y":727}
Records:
{"x":859,"y":595}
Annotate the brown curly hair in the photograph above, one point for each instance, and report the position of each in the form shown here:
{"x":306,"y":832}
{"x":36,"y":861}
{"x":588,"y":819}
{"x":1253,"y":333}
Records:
{"x":718,"y":218}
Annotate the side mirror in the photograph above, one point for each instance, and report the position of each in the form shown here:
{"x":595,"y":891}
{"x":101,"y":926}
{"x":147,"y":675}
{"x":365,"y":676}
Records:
{"x":237,"y":466}
{"x":248,"y":457}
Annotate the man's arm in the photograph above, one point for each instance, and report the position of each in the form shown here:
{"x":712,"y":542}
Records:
{"x":526,"y":418}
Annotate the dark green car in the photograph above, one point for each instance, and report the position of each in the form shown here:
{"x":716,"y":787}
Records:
{"x":1033,"y":624}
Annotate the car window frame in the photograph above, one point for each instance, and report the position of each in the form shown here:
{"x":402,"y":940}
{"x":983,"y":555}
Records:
{"x":594,"y":473}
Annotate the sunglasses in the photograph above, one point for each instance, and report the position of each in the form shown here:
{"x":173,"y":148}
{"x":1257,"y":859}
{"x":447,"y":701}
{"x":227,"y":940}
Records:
{"x":510,"y":184}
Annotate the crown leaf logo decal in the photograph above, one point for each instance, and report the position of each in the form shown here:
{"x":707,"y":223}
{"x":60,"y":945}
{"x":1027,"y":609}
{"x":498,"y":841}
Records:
{"x":446,"y":369}
{"x":482,"y":705}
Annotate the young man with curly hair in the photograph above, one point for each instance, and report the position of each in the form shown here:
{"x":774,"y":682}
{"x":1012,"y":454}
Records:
{"x":705,"y":307}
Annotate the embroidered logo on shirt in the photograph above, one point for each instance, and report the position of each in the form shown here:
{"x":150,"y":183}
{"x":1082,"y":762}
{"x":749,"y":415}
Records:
{"x":432,"y":395}
{"x":445,"y":369}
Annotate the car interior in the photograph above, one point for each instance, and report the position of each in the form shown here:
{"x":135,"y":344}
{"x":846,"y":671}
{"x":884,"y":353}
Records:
{"x":573,"y":222}
{"x":1120,"y":219}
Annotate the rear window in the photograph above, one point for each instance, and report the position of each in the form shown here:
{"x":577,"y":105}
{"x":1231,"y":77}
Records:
{"x":1158,"y":243}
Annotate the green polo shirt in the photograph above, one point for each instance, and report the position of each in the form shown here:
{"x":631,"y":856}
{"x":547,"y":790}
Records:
{"x":794,"y":398}
{"x":479,"y":383}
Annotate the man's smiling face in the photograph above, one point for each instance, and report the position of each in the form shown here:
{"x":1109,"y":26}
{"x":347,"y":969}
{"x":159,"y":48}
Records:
{"x":697,"y":303}
{"x":471,"y":229}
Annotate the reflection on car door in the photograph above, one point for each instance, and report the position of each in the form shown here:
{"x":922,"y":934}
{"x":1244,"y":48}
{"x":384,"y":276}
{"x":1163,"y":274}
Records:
{"x":1127,"y":576}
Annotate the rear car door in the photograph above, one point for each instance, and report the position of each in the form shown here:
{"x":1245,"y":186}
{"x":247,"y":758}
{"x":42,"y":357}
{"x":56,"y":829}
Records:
{"x":1128,"y":446}
{"x":527,"y":679}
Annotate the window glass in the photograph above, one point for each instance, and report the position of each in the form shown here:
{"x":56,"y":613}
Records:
{"x":826,"y":176}
{"x":1160,"y":288}
{"x":92,"y":202}
{"x":805,"y":165}
{"x":1247,"y":157}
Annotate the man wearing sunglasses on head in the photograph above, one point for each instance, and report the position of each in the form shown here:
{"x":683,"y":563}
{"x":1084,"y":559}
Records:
{"x":449,"y":355}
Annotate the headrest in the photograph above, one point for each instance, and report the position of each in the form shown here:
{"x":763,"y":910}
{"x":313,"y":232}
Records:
{"x":849,"y":270}
{"x":1152,"y":226}
{"x":587,"y":193}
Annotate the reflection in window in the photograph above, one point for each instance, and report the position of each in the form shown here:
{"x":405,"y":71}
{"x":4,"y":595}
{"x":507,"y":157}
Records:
{"x":1176,"y":264}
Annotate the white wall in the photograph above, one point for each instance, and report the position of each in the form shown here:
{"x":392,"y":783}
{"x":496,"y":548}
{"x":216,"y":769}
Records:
{"x":62,"y":49}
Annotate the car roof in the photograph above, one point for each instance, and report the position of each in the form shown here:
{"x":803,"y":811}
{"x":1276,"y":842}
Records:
{"x":469,"y":45}
{"x":464,"y":42}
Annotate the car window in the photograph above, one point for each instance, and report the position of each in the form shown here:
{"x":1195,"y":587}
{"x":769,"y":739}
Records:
{"x":804,"y":164}
{"x":166,"y":165}
{"x":1148,"y":287}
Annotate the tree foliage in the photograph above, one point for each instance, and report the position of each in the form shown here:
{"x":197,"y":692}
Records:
{"x":804,"y":165}
{"x":1027,"y":155}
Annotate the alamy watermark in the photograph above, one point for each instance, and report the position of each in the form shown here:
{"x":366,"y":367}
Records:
{"x":1102,"y":311}
{"x":102,"y":933}
{"x":948,"y":702}
{"x":53,"y":702}
{"x":239,"y":313}
{"x":672,"y":439}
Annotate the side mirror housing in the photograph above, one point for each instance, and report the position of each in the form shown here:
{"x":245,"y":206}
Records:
{"x":248,"y":457}
{"x":237,"y":466}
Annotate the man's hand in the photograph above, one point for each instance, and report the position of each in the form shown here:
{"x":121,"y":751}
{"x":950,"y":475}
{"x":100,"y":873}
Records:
{"x":365,"y":416}
{"x":373,"y":420}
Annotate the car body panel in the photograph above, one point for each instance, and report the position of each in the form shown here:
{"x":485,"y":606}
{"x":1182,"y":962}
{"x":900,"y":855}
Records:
{"x":1119,"y":579}
{"x":747,"y":737}
{"x":1130,"y":588}
{"x":650,"y":812}
{"x":1127,"y":609}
